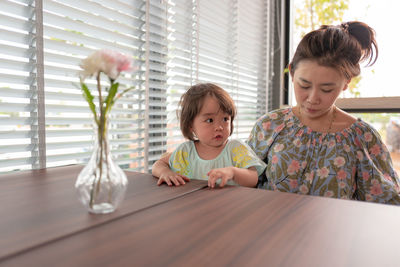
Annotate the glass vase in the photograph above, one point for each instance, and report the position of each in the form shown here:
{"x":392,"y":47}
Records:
{"x":101,"y":184}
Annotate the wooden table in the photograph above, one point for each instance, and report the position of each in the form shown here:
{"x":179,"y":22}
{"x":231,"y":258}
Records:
{"x":43,"y":224}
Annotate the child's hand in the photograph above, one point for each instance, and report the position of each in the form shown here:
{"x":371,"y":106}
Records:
{"x":224,"y":174}
{"x":172,"y":178}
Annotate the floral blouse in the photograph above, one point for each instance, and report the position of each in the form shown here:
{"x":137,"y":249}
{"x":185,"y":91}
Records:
{"x":350,"y":164}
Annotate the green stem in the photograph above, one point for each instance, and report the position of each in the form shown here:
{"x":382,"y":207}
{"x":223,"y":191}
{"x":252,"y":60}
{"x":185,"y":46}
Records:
{"x":101,"y":128}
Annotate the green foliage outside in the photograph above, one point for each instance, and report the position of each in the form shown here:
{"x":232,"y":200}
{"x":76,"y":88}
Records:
{"x":310,"y":14}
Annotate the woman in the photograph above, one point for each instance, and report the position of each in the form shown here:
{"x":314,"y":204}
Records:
{"x":316,"y":148}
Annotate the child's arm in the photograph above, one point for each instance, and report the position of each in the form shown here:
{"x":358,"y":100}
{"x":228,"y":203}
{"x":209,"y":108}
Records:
{"x":161,"y":170}
{"x":244,"y":177}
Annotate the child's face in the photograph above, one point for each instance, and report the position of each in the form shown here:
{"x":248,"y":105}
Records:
{"x":212,"y":126}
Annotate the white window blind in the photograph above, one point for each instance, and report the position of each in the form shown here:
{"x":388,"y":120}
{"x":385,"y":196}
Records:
{"x":222,"y":42}
{"x":20,"y":99}
{"x":44,"y":120}
{"x":72,"y":30}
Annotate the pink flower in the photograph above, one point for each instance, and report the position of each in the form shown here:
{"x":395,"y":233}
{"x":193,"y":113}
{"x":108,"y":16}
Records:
{"x":359,"y":132}
{"x":338,"y":138}
{"x":342,"y":184}
{"x":269,"y":141}
{"x":297,"y":142}
{"x":331,"y":143}
{"x":309,"y":176}
{"x":274,"y":159}
{"x":346,"y":148}
{"x":328,"y":194}
{"x":365,"y":176}
{"x":376,"y":189}
{"x":293,"y":167}
{"x":285,"y":111}
{"x":293,"y":183}
{"x":341,"y":175}
{"x":339,"y":161}
{"x":323,"y":172}
{"x":260,"y":136}
{"x":279,"y":128}
{"x":112,"y":63}
{"x":279,"y":147}
{"x":375,"y":150}
{"x":357,"y":142}
{"x":300,"y":132}
{"x":266,"y":125}
{"x":387,"y":177}
{"x":273,"y":116}
{"x":303,"y":189}
{"x":368,"y":137}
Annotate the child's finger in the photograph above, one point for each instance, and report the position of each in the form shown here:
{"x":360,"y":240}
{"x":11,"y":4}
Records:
{"x":223,"y":182}
{"x":185,"y":178}
{"x":175,"y":181}
{"x":180,"y":180}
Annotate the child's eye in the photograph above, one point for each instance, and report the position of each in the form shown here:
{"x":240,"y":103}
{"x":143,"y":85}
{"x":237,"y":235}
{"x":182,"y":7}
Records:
{"x":227,"y":119}
{"x":209,"y":120}
{"x":304,"y":87}
{"x":326,"y":91}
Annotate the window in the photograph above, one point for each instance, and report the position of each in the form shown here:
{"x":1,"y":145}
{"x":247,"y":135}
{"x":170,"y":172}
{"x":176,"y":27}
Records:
{"x":44,"y":120}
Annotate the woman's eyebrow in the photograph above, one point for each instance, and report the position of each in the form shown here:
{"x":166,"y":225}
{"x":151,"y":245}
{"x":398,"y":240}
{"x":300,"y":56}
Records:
{"x":323,"y":84}
{"x":304,"y":80}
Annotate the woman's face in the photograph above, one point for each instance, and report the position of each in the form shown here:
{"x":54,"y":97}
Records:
{"x":316,"y":88}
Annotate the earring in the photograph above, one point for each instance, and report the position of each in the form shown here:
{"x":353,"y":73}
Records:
{"x":195,"y":136}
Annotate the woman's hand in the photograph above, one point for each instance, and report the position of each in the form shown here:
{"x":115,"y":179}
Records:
{"x":172,"y":178}
{"x":223,"y":174}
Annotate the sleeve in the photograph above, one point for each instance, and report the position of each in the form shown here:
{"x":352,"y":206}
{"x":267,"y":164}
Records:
{"x":244,"y":157}
{"x":179,"y":160}
{"x":259,"y":141}
{"x":377,"y":181}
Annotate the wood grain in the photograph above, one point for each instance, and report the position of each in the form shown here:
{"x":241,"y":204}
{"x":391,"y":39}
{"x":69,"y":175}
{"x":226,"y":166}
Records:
{"x":234,"y":227}
{"x":39,"y":206}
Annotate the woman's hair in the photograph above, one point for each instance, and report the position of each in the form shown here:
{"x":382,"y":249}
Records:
{"x":342,"y":47}
{"x":192,"y":101}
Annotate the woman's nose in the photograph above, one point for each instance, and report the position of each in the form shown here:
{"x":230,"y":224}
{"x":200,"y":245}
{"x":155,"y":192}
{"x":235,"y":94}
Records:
{"x":313,"y":97}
